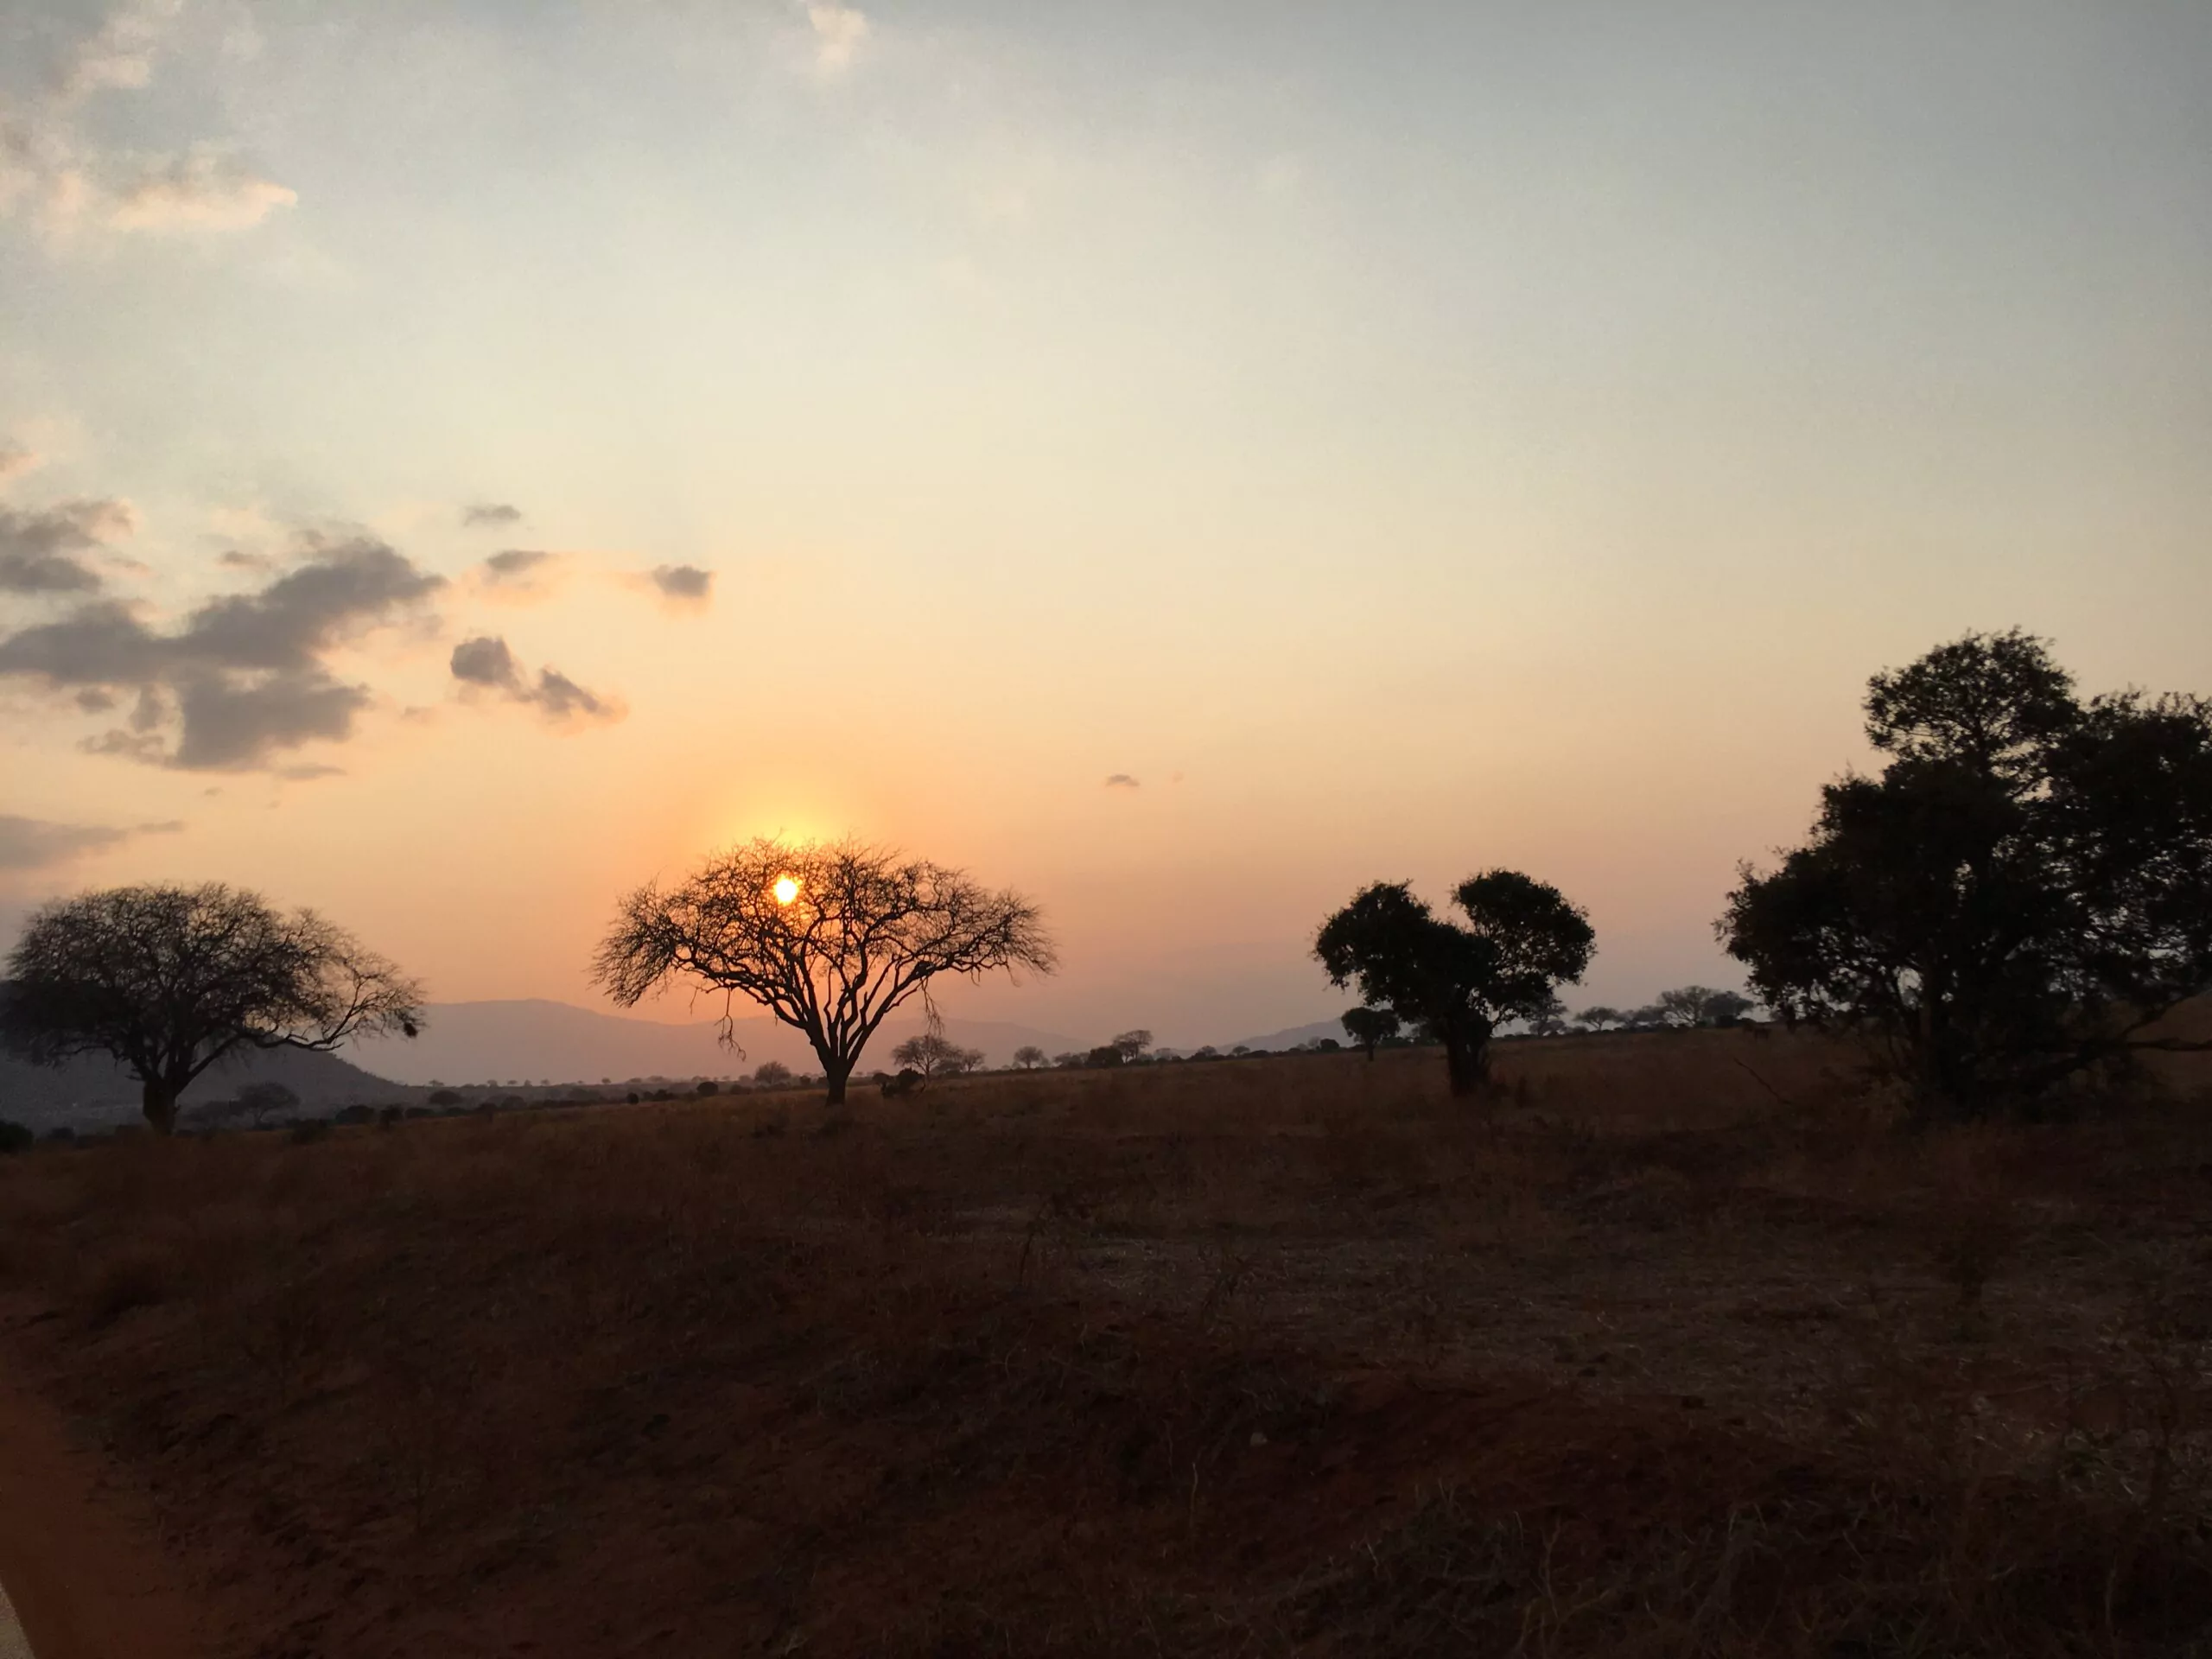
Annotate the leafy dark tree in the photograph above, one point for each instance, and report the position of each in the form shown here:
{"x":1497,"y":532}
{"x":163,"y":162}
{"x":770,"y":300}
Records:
{"x":1370,"y":1027}
{"x":934,"y":1055}
{"x":1132,"y":1045}
{"x":1547,"y":1019}
{"x":1599,"y":1018}
{"x":1521,"y":939}
{"x":1106,"y":1054}
{"x":829,"y":937}
{"x":770,"y":1073}
{"x":2020,"y":895}
{"x":1029,"y":1057}
{"x":171,"y":979}
{"x":1689,"y":1006}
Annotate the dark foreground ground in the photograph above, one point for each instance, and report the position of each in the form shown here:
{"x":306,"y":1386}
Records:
{"x":1676,"y":1348}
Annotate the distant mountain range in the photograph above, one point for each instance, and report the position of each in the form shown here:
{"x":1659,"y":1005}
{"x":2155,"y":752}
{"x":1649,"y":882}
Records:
{"x":96,"y":1093}
{"x":1275,"y":1041}
{"x":545,"y":1041}
{"x":520,"y":1043}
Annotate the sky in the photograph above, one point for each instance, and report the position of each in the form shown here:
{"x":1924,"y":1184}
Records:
{"x":1185,"y":461}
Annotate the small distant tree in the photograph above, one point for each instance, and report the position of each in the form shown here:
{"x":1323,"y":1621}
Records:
{"x":171,"y":979}
{"x":1029,"y":1057}
{"x":708,"y":1086}
{"x":1549,"y":1018}
{"x":771,"y":1073}
{"x":1685,"y":1006}
{"x":445,"y":1098}
{"x":2020,"y":895}
{"x":1067,"y":1061}
{"x":1521,"y":939}
{"x":829,"y":937}
{"x":1650,"y":1017}
{"x":1132,"y":1045}
{"x":1106,"y":1054}
{"x":1599,"y":1018}
{"x":1370,"y":1027}
{"x":935,"y":1055}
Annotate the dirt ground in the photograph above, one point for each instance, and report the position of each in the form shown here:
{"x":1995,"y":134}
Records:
{"x":1676,"y":1346}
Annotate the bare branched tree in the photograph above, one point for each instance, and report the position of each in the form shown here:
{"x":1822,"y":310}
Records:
{"x":170,"y":980}
{"x":827,"y":937}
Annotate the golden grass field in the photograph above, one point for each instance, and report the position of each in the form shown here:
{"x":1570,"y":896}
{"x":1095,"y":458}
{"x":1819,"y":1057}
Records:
{"x":1676,"y":1346}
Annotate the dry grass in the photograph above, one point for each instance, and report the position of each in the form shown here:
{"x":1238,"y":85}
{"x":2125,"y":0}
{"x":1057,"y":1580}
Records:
{"x":1676,"y":1347}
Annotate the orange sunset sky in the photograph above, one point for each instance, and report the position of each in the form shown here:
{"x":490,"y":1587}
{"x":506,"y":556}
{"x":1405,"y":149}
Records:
{"x":1182,"y":461}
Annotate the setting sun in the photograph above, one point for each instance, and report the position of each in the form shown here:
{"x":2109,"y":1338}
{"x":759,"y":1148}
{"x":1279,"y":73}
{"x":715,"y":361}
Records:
{"x":786,"y":889}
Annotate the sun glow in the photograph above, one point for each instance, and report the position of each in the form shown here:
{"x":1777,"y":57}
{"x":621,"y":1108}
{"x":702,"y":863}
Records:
{"x":786,"y":889}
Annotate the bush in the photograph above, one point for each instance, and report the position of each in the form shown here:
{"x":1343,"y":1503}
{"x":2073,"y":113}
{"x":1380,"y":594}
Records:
{"x":15,"y":1137}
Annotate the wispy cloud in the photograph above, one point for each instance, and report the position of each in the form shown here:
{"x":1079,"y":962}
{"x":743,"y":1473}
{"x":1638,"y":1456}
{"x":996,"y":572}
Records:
{"x":43,"y":552}
{"x":838,"y":32}
{"x":16,"y":458}
{"x":487,"y":664}
{"x":38,"y":844}
{"x":492,"y":514}
{"x":70,"y":184}
{"x":1122,"y":780}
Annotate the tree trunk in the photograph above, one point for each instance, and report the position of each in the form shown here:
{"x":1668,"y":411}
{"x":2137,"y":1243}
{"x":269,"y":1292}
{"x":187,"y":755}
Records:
{"x":1370,"y":1047}
{"x":158,"y":1100}
{"x":834,"y":1074}
{"x":1467,"y":1062}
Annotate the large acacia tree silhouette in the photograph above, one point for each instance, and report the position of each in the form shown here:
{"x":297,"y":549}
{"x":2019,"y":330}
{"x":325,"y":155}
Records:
{"x":829,"y":937}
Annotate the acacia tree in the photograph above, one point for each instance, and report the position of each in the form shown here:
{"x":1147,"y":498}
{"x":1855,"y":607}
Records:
{"x":1029,"y":1057}
{"x":1598,"y":1017}
{"x":1370,"y":1027}
{"x":1521,"y":941}
{"x":935,"y":1055}
{"x":2018,"y":897}
{"x":829,"y":937}
{"x":170,"y":980}
{"x":1691,"y":1006}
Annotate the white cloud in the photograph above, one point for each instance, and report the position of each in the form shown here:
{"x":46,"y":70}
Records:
{"x":203,"y":190}
{"x":120,"y":56}
{"x":838,"y":32}
{"x":71,"y":185}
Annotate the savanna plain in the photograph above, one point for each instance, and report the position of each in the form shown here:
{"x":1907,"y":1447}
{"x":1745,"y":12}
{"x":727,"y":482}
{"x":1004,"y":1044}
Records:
{"x":1672,"y":1342}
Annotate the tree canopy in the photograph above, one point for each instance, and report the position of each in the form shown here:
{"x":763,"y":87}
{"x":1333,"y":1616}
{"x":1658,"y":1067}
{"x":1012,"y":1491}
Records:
{"x":1371,"y":1028}
{"x":829,"y":937}
{"x":171,"y":979}
{"x":1521,"y":939}
{"x":2017,"y":898}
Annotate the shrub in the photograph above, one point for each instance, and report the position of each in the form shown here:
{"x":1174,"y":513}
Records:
{"x":15,"y":1137}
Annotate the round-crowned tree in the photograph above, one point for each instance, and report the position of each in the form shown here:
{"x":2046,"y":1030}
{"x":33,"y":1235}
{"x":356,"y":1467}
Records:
{"x":170,"y":980}
{"x":1521,"y":941}
{"x":829,"y":937}
{"x":2018,"y":897}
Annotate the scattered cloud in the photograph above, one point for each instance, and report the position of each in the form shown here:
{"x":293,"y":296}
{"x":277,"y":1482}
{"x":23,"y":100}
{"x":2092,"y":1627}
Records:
{"x":237,"y":558}
{"x":207,"y":188}
{"x":120,"y":55}
{"x":36,"y":845}
{"x":243,"y":678}
{"x":70,"y":184}
{"x":492,"y":513}
{"x":43,"y":552}
{"x":683,"y":584}
{"x":1122,"y":780}
{"x":515,"y":562}
{"x":16,"y":458}
{"x":838,"y":32}
{"x":485,"y":663}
